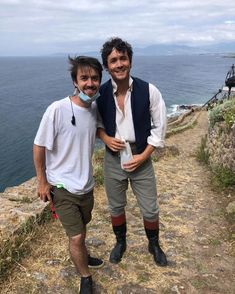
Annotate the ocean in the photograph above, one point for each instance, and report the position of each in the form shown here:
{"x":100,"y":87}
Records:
{"x":29,"y":84}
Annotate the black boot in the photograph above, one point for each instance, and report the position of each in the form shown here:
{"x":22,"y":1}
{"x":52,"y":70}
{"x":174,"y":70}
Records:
{"x":154,"y":247}
{"x":120,"y":247}
{"x":86,"y":285}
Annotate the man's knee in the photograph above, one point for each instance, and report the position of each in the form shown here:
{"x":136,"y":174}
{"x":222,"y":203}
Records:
{"x":115,"y":211}
{"x":150,"y":214}
{"x":77,"y":240}
{"x":117,"y":204}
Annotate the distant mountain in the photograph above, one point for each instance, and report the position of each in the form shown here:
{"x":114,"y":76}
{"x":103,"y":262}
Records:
{"x":172,"y":49}
{"x":166,"y":49}
{"x":228,"y":47}
{"x":72,"y":54}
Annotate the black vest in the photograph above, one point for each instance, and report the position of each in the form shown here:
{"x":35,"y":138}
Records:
{"x":140,"y":111}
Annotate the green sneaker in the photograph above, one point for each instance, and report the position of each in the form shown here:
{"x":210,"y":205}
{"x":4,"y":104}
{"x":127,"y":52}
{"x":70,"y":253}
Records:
{"x":94,"y":262}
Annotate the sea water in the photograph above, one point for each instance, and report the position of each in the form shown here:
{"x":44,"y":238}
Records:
{"x":29,"y":84}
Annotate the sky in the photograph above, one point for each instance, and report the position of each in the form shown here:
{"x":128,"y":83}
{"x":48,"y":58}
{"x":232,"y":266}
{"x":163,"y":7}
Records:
{"x":39,"y":27}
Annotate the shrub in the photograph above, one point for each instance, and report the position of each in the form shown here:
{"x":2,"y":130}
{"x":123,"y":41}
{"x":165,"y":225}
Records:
{"x":223,"y":112}
{"x":229,"y":117}
{"x":202,"y":154}
{"x":154,"y":157}
{"x":224,"y":176}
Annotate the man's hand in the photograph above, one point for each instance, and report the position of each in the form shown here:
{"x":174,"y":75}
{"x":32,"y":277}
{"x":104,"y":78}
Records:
{"x":138,"y":159}
{"x":114,"y":144}
{"x":134,"y":163}
{"x":44,"y":191}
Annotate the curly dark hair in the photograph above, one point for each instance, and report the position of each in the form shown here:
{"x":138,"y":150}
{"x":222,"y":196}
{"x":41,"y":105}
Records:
{"x":83,"y":62}
{"x":119,"y":45}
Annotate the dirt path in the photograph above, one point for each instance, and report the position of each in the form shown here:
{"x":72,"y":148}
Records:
{"x":194,"y":234}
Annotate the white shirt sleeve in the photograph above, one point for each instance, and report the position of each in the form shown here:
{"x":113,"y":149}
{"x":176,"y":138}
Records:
{"x":158,"y":116}
{"x":47,"y":129}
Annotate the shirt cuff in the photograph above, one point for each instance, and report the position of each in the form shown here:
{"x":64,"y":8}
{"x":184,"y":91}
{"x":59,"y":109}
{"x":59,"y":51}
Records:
{"x":158,"y":143}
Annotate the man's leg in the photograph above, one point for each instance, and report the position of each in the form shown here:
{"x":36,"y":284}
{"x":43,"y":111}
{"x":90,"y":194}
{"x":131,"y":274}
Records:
{"x":116,"y":184}
{"x":152,"y":233}
{"x":78,"y":253}
{"x":74,"y":213}
{"x":93,"y":262}
{"x":143,"y":183}
{"x":119,"y":229}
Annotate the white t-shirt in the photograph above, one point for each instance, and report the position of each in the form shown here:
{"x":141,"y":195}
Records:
{"x":69,"y":148}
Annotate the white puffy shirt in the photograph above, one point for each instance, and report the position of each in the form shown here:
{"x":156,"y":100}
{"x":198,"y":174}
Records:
{"x":124,"y":121}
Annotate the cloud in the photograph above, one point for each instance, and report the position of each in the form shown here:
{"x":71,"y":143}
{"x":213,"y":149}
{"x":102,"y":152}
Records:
{"x":229,"y":22}
{"x":46,"y":26}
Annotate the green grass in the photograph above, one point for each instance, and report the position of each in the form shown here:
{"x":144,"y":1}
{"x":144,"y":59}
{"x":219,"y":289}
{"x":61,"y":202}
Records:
{"x":223,"y":176}
{"x":215,"y":242}
{"x":202,"y":153}
{"x":98,"y":166}
{"x":181,"y":129}
{"x":198,"y":283}
{"x":17,"y":246}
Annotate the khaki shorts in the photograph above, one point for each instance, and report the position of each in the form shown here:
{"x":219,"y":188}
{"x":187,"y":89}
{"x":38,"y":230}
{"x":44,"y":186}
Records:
{"x":74,"y":211}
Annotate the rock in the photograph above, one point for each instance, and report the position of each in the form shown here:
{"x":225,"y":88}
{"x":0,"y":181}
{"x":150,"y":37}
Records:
{"x":39,"y":276}
{"x":166,"y":151}
{"x":94,"y":242}
{"x":58,"y":289}
{"x":109,"y":270}
{"x":164,"y":198}
{"x":170,"y":236}
{"x":20,"y":211}
{"x":26,"y":192}
{"x":53,"y":262}
{"x":175,"y":289}
{"x":68,"y":272}
{"x":231,"y":208}
{"x":134,"y":289}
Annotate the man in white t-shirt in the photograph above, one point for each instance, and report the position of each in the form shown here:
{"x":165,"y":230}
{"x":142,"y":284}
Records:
{"x":63,"y":149}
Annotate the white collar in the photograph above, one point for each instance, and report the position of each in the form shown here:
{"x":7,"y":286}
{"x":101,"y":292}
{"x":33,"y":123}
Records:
{"x":115,"y":85}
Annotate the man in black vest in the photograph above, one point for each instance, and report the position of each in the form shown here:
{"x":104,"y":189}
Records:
{"x":133,"y":124}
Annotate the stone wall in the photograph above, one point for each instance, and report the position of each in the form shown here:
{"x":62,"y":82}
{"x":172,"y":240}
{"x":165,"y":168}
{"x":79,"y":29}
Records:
{"x":221,"y":146}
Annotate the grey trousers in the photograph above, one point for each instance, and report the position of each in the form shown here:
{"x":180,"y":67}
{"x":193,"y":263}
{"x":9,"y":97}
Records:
{"x":142,"y":181}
